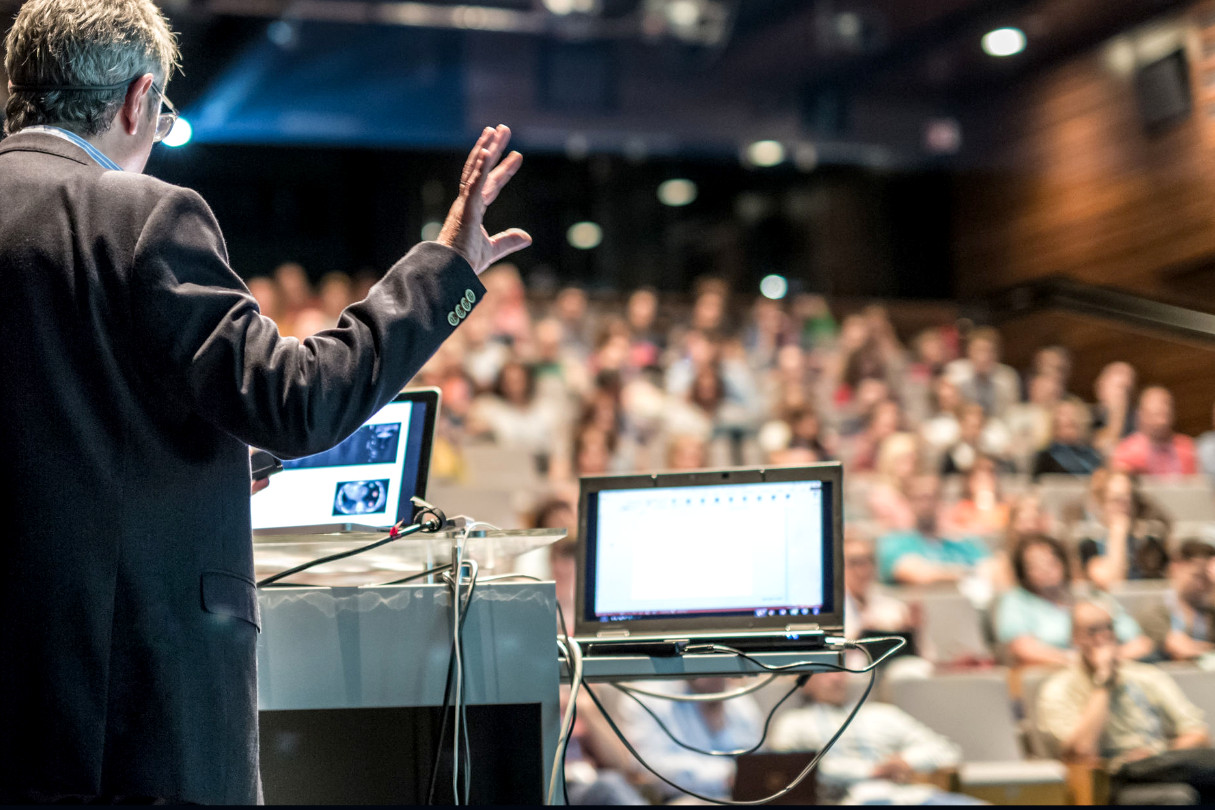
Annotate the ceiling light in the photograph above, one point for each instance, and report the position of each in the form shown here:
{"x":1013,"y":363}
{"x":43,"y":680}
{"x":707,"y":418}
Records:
{"x":584,"y":235}
{"x":431,"y":230}
{"x":774,"y":287}
{"x":677,"y":192}
{"x":765,"y":153}
{"x":1004,"y":42}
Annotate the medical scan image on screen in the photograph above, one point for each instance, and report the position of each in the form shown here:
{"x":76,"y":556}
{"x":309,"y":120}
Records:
{"x":359,"y":480}
{"x":753,"y":548}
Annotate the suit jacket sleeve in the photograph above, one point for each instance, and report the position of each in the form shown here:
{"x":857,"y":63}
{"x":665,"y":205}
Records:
{"x":206,"y":345}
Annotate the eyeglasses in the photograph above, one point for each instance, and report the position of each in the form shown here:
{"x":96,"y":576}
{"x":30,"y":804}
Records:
{"x":1097,"y":629}
{"x":166,"y":120}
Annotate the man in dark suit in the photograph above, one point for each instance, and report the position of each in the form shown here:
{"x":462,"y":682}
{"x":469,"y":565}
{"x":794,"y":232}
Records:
{"x":136,"y":371}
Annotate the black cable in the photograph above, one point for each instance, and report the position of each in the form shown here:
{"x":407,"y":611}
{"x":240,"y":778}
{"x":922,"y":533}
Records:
{"x":799,"y":682}
{"x":805,"y":771}
{"x":438,"y":569}
{"x":341,"y":555}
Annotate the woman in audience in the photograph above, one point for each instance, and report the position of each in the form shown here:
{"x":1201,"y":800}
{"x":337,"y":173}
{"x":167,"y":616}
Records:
{"x":1127,"y":541}
{"x":897,"y":463}
{"x":885,"y":420}
{"x":512,"y":416}
{"x":1033,"y":620}
{"x":981,"y":511}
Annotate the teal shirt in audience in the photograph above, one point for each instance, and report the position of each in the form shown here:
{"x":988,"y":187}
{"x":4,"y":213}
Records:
{"x":894,"y":546}
{"x":1021,"y":613}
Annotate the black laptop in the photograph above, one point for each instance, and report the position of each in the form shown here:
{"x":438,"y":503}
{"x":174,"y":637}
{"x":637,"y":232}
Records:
{"x":750,"y":558}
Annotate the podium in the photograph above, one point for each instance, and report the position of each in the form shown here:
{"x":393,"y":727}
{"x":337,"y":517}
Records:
{"x":350,"y":677}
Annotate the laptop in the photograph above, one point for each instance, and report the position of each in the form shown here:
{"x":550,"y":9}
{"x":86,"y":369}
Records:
{"x":748,"y":557}
{"x":764,"y":773}
{"x":363,"y":484}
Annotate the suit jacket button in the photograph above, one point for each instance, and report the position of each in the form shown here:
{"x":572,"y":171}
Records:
{"x":452,"y":319}
{"x":460,"y":310}
{"x":470,"y":297}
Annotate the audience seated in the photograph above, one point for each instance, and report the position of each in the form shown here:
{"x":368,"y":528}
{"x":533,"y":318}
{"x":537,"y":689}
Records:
{"x":1182,"y":624}
{"x":1154,"y":448}
{"x":922,"y":556}
{"x":1034,"y":619}
{"x":1132,"y":715}
{"x":586,"y":384}
{"x":883,"y":743}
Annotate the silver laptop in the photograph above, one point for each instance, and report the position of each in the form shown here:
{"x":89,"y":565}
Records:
{"x":746,"y":557}
{"x":363,"y":484}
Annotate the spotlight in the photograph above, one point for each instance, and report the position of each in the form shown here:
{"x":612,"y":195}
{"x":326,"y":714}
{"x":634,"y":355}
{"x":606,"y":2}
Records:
{"x":1004,"y":42}
{"x":430,"y":231}
{"x":180,"y":134}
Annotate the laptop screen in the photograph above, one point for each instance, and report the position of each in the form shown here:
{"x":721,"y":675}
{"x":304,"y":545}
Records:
{"x":722,"y":551}
{"x":368,"y":479}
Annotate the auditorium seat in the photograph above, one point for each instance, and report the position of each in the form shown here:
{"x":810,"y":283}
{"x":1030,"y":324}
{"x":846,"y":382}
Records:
{"x":975,"y":711}
{"x":1182,"y":499}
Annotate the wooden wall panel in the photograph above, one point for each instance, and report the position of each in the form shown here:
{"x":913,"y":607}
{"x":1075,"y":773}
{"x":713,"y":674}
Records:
{"x":1065,"y":180}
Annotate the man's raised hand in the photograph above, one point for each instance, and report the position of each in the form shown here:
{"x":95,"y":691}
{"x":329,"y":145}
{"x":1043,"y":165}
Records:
{"x":485,"y":173}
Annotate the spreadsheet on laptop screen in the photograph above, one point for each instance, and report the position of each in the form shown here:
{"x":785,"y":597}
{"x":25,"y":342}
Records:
{"x":700,"y":550}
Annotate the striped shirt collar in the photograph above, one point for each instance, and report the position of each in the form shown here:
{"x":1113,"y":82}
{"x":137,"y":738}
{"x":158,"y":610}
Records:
{"x":72,"y":137}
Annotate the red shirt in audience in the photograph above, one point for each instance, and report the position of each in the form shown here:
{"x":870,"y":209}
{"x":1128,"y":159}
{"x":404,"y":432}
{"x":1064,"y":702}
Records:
{"x":1139,"y":454}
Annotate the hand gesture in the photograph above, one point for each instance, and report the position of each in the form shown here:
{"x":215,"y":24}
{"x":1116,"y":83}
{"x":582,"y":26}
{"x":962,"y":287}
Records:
{"x":483,"y":177}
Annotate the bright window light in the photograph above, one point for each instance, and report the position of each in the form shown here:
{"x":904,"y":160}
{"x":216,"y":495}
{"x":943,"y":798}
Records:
{"x":1004,"y":42}
{"x":774,"y":287}
{"x":180,"y":134}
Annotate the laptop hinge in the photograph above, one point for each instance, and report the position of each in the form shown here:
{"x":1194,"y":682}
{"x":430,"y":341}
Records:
{"x":801,"y":628}
{"x":612,"y":634}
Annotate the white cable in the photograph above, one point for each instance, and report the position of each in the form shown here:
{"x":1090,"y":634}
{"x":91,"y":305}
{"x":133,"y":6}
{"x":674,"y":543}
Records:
{"x":573,"y":655}
{"x":709,"y":698}
{"x":457,"y":566}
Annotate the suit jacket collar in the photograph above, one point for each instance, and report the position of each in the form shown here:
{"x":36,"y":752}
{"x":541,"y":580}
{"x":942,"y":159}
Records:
{"x":22,"y":141}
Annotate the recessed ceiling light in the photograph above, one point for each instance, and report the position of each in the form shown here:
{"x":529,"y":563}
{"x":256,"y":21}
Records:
{"x":585,"y":235}
{"x":677,"y":192}
{"x":1004,"y":42}
{"x":765,"y":153}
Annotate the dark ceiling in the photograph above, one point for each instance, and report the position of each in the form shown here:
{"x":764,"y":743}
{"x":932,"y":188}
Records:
{"x":859,"y":80}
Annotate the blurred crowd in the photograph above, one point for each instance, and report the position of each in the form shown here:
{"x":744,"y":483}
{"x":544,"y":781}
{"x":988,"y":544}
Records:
{"x":1038,"y":505}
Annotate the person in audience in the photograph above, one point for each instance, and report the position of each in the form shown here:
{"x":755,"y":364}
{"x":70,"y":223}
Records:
{"x":334,"y":295}
{"x":897,"y":464}
{"x":1126,"y":542}
{"x":882,"y":743}
{"x":721,"y":725}
{"x":1069,"y":451}
{"x":570,"y":309}
{"x":641,"y":313}
{"x":866,"y":609}
{"x":981,"y":377}
{"x":923,"y":556}
{"x":1154,"y":448}
{"x":1053,"y":361}
{"x":687,"y":452}
{"x":1204,"y":448}
{"x":512,"y":416}
{"x":1131,"y":714}
{"x":265,"y":292}
{"x":885,"y":420}
{"x":941,"y":429}
{"x":1113,"y":419}
{"x":1026,"y":517}
{"x":978,"y":435}
{"x":981,"y":511}
{"x":295,"y":293}
{"x":1182,"y":624}
{"x":1033,"y":620}
{"x":1029,"y":423}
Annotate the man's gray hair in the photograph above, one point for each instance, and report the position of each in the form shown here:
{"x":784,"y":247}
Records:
{"x":82,"y":43}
